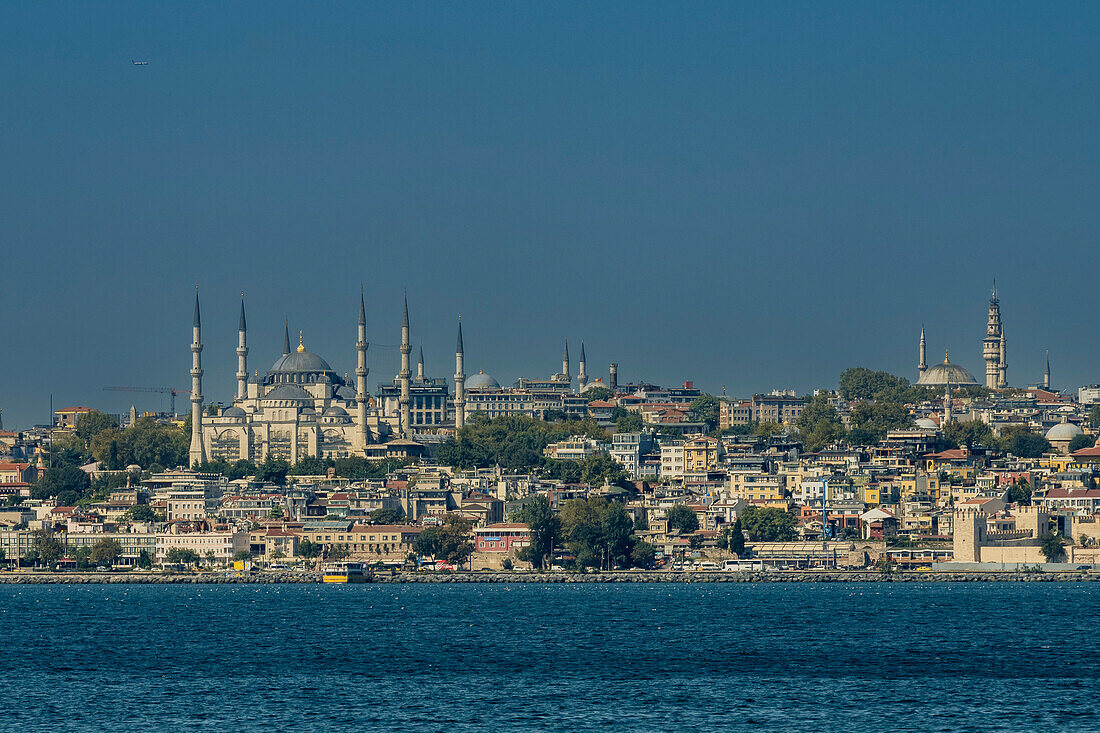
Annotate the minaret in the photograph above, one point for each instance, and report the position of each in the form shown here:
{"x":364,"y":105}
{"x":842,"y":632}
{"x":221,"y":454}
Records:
{"x":582,"y":372}
{"x":242,"y":356}
{"x":565,"y":363}
{"x":923,"y":366}
{"x":1002,"y":376}
{"x":361,"y":372}
{"x":405,"y":374}
{"x":197,"y":453}
{"x":286,"y":338}
{"x":946,"y":405}
{"x":991,"y":344}
{"x":460,"y":381}
{"x":420,"y":365}
{"x":1046,"y":373}
{"x":133,"y":416}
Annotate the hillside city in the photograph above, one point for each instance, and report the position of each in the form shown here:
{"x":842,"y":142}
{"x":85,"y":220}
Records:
{"x":304,"y":466}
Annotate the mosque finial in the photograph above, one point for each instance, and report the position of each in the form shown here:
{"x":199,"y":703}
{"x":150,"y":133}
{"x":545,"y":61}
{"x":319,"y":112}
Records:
{"x":301,"y":343}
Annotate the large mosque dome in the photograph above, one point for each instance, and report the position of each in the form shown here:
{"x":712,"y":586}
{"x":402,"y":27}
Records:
{"x":1063,"y":432}
{"x":940,"y":375}
{"x":481,"y":380}
{"x":300,"y":361}
{"x":301,"y":367}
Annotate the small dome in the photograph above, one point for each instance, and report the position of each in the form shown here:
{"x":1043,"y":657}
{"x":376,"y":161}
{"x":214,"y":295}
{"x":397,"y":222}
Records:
{"x":290,"y":392}
{"x":1064,"y":432}
{"x":234,"y":411}
{"x":481,"y":380}
{"x":335,"y":411}
{"x":927,"y":424}
{"x":345,"y":393}
{"x":256,"y":379}
{"x":940,"y":375}
{"x":595,"y":383}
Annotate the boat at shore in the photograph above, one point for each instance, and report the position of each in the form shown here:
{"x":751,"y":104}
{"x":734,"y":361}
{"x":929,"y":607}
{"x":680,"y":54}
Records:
{"x":343,"y":572}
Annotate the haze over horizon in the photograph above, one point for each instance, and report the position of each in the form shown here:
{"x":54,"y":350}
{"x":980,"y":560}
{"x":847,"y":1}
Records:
{"x":753,"y":197}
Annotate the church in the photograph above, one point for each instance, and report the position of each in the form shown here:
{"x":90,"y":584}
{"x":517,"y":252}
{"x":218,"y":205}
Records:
{"x":301,"y":407}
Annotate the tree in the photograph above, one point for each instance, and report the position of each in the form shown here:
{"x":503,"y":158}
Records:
{"x":427,"y":543}
{"x":969,"y":434}
{"x":627,"y":421}
{"x":454,"y":538}
{"x":598,"y":532}
{"x":142,"y":513}
{"x":643,"y":555}
{"x":545,"y":526}
{"x":641,"y":522}
{"x":1050,"y":544}
{"x":1024,"y":444}
{"x":819,"y":424}
{"x":91,"y":424}
{"x":243,"y":556}
{"x":705,"y":409}
{"x":1094,"y":415}
{"x":737,"y":539}
{"x":311,"y":466}
{"x":181,"y":556}
{"x":309,"y":550}
{"x":210,"y":555}
{"x":341,"y":552}
{"x":1020,"y":493}
{"x":106,"y":552}
{"x":276,"y":511}
{"x":768,"y":524}
{"x":602,"y":394}
{"x":279,"y":554}
{"x":272,"y":470}
{"x":144,"y":560}
{"x":67,"y":480}
{"x":695,"y":541}
{"x":1081,"y":441}
{"x":388,"y":516}
{"x":46,"y":548}
{"x":682,"y":519}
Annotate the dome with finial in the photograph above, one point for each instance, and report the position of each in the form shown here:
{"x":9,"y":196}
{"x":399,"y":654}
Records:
{"x":302,"y":367}
{"x":481,"y":380}
{"x":939,"y":375}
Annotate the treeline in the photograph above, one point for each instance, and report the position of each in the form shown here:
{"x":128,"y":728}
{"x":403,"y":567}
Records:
{"x":275,"y":470}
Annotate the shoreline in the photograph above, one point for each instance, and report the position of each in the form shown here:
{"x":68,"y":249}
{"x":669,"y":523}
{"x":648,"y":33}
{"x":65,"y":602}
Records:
{"x":312,"y":578}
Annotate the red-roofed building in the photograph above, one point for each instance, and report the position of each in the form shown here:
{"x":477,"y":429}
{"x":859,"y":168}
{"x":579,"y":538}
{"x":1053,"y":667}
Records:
{"x":15,"y":472}
{"x":496,"y":542}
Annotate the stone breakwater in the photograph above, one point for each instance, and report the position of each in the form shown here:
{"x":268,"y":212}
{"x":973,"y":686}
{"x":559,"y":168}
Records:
{"x":530,"y":577}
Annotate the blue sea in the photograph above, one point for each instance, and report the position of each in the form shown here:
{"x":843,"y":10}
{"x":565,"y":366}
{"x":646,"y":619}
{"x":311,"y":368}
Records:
{"x":654,"y":657}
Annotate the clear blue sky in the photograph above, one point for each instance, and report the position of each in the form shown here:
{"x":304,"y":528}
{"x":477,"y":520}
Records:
{"x":749,"y":195}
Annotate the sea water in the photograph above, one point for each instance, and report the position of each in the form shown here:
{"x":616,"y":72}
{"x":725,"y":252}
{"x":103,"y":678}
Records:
{"x":471,"y":657}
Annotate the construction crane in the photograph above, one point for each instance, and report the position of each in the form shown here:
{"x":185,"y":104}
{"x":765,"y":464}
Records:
{"x":160,"y":390}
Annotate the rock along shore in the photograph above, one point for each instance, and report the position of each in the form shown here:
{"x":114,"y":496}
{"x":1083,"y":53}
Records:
{"x":265,"y":578}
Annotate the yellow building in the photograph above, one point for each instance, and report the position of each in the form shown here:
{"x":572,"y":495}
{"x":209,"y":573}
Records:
{"x":701,"y":454}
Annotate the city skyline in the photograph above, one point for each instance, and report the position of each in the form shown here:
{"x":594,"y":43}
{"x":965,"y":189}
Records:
{"x":750,"y":197}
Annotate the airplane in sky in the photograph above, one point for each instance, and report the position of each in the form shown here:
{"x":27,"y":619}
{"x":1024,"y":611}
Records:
{"x":139,"y":63}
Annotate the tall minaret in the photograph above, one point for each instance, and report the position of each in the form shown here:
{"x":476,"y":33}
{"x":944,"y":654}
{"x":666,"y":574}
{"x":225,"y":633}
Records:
{"x":946,"y":405}
{"x":565,"y":362}
{"x":460,"y":381}
{"x":242,"y":356}
{"x":197,"y":453}
{"x":361,"y":372}
{"x":1046,"y":373}
{"x":286,"y":338}
{"x":420,"y":365}
{"x":923,"y":366}
{"x":405,"y":374}
{"x":582,"y":372}
{"x":991,"y":344}
{"x":1002,"y":376}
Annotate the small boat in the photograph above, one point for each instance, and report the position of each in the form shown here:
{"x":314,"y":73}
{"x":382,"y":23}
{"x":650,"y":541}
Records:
{"x":343,"y":572}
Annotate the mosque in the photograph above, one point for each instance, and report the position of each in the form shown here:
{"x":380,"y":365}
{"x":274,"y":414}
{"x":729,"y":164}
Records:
{"x":948,"y":374}
{"x":301,"y":407}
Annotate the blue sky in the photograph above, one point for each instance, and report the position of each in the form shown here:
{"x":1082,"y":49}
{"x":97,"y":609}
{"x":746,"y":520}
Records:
{"x":746,"y":195}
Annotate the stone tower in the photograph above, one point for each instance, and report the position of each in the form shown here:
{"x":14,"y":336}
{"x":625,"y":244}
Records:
{"x":565,"y":363}
{"x":993,"y":346}
{"x":460,"y":381}
{"x":582,"y":371}
{"x":405,"y":374}
{"x":361,"y":371}
{"x":613,"y":376}
{"x":1046,"y":373}
{"x":242,"y":356}
{"x":197,"y":452}
{"x":922,"y":367}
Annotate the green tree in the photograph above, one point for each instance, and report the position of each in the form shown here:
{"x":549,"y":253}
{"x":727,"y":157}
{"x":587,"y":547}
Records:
{"x":276,"y":511}
{"x":454,"y":539}
{"x":627,"y":421}
{"x":273,"y":470}
{"x":309,"y":550}
{"x":682,"y":519}
{"x":1050,"y":544}
{"x":705,"y":409}
{"x":62,"y":480}
{"x":106,"y":552}
{"x":1020,"y":493}
{"x":46,"y":548}
{"x":91,"y":424}
{"x":1094,"y":415}
{"x":1024,"y":444}
{"x":144,"y":560}
{"x":603,"y":394}
{"x":969,"y":434}
{"x":142,"y":513}
{"x":767,"y":428}
{"x":388,"y":516}
{"x":643,"y":555}
{"x":311,"y":466}
{"x":545,"y":526}
{"x":1081,"y":441}
{"x":768,"y":524}
{"x":860,"y":383}
{"x":245,"y":555}
{"x":181,"y":556}
{"x":427,"y":543}
{"x":737,"y":539}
